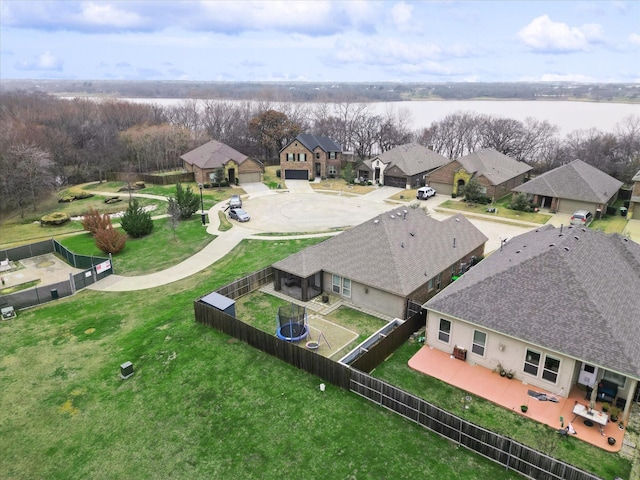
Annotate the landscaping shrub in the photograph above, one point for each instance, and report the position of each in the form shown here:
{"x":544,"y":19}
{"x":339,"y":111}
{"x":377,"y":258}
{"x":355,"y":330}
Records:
{"x":110,"y":240}
{"x":187,"y":201}
{"x":135,"y":221}
{"x":55,"y":218}
{"x":521,"y":204}
{"x":94,"y":221}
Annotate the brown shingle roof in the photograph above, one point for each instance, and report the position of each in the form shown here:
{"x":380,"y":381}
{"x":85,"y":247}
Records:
{"x":574,"y":181}
{"x":413,"y":158}
{"x":493,"y":165}
{"x":213,"y":154}
{"x":396,"y":252}
{"x":575,"y":293}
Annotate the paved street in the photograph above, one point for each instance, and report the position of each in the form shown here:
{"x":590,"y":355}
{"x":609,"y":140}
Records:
{"x":297,"y":212}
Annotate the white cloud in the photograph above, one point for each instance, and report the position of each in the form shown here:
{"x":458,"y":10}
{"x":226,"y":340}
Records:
{"x":45,"y":61}
{"x":401,"y":14}
{"x":634,"y":39}
{"x":107,"y":15}
{"x":545,"y":35}
{"x":565,"y":77}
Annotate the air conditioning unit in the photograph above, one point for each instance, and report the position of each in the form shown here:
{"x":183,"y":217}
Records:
{"x":126,"y":370}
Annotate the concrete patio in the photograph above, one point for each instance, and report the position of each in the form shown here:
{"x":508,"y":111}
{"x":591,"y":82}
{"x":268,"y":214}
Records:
{"x":511,"y":394}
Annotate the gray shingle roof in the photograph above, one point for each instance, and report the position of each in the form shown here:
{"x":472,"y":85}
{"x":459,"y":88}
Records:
{"x":577,"y":294}
{"x":413,"y":158}
{"x":574,"y":181}
{"x":392,"y":252}
{"x":213,"y":154}
{"x":493,"y":165}
{"x":312,"y":141}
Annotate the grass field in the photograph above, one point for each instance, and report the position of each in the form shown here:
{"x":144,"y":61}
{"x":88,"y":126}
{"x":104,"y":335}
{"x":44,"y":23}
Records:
{"x":200,"y":404}
{"x":145,"y":254}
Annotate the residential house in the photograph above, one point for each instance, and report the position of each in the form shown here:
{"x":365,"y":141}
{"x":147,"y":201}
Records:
{"x":205,"y":160}
{"x":309,"y":156}
{"x":497,"y":173}
{"x":380,"y":264}
{"x":573,"y":186}
{"x":557,"y":306}
{"x":404,"y":166}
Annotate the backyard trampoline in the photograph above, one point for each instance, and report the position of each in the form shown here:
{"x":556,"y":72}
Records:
{"x":292,"y":323}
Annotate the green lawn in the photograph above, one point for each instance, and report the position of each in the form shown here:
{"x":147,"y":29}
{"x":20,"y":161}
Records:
{"x":148,"y":254}
{"x":503,"y":211}
{"x":498,"y":419}
{"x":201,"y":405}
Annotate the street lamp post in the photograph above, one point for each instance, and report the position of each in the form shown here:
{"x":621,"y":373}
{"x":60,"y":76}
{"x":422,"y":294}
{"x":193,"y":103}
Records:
{"x":204,"y":221}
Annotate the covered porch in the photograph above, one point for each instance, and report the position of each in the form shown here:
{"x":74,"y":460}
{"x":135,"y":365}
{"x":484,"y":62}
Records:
{"x":511,"y":394}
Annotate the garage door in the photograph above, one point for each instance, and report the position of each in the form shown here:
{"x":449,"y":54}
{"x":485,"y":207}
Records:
{"x":249,"y":177}
{"x":400,"y":182}
{"x":296,"y":175}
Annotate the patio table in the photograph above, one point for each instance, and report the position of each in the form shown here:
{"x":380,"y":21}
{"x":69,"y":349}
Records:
{"x":593,"y":415}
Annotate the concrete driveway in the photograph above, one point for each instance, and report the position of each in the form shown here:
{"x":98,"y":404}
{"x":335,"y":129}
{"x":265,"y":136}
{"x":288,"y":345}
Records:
{"x":298,"y":186}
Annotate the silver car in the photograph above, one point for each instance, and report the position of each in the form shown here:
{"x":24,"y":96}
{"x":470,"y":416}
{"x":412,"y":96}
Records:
{"x":239,"y":215}
{"x":235,"y":201}
{"x":581,"y":217}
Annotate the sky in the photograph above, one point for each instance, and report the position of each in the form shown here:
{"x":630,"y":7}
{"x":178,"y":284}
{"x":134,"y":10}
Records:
{"x":321,"y":41}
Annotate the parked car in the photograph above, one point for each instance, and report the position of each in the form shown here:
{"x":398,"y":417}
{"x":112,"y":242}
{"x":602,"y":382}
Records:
{"x":235,"y":201}
{"x":239,"y":214}
{"x":582,"y":218}
{"x":425,"y":192}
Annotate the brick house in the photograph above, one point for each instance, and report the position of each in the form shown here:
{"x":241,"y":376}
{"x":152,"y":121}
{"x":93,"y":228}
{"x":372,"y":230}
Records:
{"x":497,"y":173}
{"x":309,"y":156}
{"x":206,"y":159}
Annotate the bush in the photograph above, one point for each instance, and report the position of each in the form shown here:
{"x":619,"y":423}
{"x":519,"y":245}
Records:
{"x":187,"y":201}
{"x":521,"y":204}
{"x":110,"y":240}
{"x":94,"y":221}
{"x":135,"y":221}
{"x":55,"y":218}
{"x":453,"y":195}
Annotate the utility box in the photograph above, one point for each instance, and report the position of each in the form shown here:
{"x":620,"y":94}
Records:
{"x":126,"y":370}
{"x":54,"y":294}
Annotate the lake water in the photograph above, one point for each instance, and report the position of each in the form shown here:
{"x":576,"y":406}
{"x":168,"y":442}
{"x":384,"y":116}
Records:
{"x":568,"y":116}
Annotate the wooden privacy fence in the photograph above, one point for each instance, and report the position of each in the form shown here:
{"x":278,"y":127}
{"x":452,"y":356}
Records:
{"x":498,"y":448}
{"x":168,"y":179}
{"x":302,"y":358}
{"x":247,"y":284}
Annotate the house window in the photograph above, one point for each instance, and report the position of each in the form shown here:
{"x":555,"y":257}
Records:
{"x":550,"y":369}
{"x":438,"y":281}
{"x":615,"y":378}
{"x":332,"y":170}
{"x":318,"y":155}
{"x":341,"y":286}
{"x":302,"y":157}
{"x":532,"y":362}
{"x":346,"y":287}
{"x":332,"y":155}
{"x":479,"y":342}
{"x":291,"y":157}
{"x":445,"y":330}
{"x":430,"y":284}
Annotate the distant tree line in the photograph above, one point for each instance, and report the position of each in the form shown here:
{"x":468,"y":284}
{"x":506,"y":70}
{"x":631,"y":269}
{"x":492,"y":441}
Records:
{"x":47,"y":142}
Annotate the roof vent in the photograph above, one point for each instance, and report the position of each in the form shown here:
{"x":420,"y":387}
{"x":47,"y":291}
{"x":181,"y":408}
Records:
{"x":376,"y":221}
{"x":576,"y":237}
{"x":518,"y":251}
{"x":552,"y":244}
{"x":412,"y":234}
{"x":392,"y":217}
{"x":566,"y":248}
{"x":402,"y":245}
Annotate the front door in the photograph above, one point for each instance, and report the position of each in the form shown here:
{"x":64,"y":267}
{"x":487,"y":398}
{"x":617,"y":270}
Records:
{"x":318,"y":169}
{"x":232,"y":176}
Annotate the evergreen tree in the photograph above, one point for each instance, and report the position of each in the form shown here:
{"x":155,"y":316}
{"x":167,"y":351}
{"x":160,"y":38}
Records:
{"x":136,"y":222}
{"x":187,"y":201}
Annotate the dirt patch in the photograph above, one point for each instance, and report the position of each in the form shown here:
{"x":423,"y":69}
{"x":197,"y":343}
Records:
{"x":332,"y":338}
